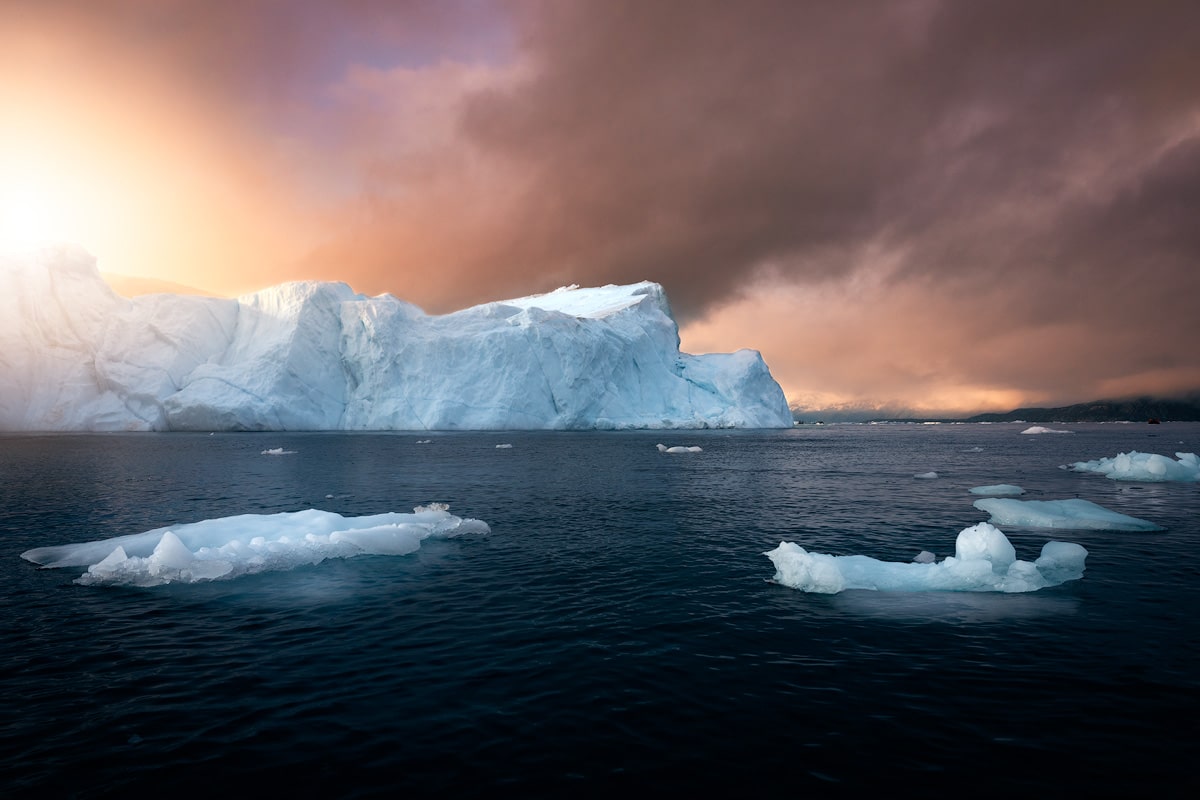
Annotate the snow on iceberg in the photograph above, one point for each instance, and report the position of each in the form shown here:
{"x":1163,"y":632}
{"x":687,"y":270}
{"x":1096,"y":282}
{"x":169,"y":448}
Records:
{"x":1075,"y":514}
{"x":983,"y":561}
{"x":75,"y":356}
{"x":229,"y":547}
{"x":998,"y":488}
{"x":1145,"y":467}
{"x":1040,"y":429}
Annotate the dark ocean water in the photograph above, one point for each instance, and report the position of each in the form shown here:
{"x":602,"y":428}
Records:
{"x":615,"y":631}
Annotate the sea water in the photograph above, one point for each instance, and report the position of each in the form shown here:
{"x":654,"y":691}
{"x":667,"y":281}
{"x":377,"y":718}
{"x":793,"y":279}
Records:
{"x":617,"y":629}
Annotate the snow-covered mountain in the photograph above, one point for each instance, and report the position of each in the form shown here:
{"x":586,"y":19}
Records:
{"x":75,"y":356}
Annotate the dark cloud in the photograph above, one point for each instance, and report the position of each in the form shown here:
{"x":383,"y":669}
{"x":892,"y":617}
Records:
{"x":1023,"y":176}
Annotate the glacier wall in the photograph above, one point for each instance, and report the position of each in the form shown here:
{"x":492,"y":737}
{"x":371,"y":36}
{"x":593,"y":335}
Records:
{"x":75,"y":356}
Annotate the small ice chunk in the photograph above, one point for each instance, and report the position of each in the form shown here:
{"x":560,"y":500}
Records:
{"x":924,"y":557}
{"x":1144,"y":467}
{"x":998,"y":489}
{"x":110,"y":563}
{"x":277,"y":451}
{"x":984,"y":542}
{"x":662,"y":448}
{"x":983,"y":561}
{"x":504,"y":447}
{"x":170,"y":553}
{"x":1040,"y":429}
{"x":1076,"y":514}
{"x":926,"y":476}
{"x":229,"y":547}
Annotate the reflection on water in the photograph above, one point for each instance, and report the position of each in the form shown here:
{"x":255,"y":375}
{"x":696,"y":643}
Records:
{"x":959,"y":608}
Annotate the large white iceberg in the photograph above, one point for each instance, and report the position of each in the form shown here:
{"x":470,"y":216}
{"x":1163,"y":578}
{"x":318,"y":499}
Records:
{"x":983,"y":561}
{"x":1075,"y":514}
{"x":1145,"y":467}
{"x":75,"y":356}
{"x":229,"y":547}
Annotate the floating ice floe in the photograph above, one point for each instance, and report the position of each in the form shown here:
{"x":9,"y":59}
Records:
{"x":998,"y":489}
{"x":926,"y":476}
{"x":504,"y":447}
{"x":1075,"y":514}
{"x":229,"y":547}
{"x":1040,"y":429}
{"x":278,"y":451}
{"x":983,"y":561}
{"x":1146,"y":467}
{"x":662,"y":448}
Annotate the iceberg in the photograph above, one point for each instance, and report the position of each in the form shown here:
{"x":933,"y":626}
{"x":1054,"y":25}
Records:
{"x":75,"y":356}
{"x":230,"y":547}
{"x":1144,"y":467}
{"x":984,"y":561}
{"x":1040,"y":429}
{"x":1075,"y":514}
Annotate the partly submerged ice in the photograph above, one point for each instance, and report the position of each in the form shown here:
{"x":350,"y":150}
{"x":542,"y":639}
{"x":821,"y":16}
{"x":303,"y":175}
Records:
{"x":926,"y":476}
{"x":1075,"y":514}
{"x":662,"y":448}
{"x":983,"y":561}
{"x":1040,"y":429}
{"x":998,"y":488}
{"x":229,"y":547}
{"x":1146,"y":467}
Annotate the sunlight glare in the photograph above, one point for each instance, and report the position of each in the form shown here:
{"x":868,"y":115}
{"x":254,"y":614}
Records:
{"x":33,"y":211}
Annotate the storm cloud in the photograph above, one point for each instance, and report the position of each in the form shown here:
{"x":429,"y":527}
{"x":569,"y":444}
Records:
{"x":914,"y":204}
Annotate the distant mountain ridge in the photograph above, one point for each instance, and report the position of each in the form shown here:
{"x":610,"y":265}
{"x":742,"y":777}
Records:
{"x":1141,"y":409}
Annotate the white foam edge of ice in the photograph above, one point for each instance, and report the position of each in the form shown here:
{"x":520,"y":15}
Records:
{"x":245,"y":544}
{"x":984,"y":561}
{"x":1074,"y":513}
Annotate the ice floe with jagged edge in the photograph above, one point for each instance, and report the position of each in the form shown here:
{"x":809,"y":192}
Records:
{"x":984,"y":561}
{"x":1040,"y":429}
{"x":997,"y":488}
{"x":1075,"y":514}
{"x":230,"y":547}
{"x":1145,"y":467}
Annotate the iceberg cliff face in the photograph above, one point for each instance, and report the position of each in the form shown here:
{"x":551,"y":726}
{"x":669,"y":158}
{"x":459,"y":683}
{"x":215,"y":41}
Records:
{"x":75,"y":356}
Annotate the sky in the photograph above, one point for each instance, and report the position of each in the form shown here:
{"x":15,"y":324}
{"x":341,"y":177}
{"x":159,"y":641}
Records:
{"x":909,"y":207}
